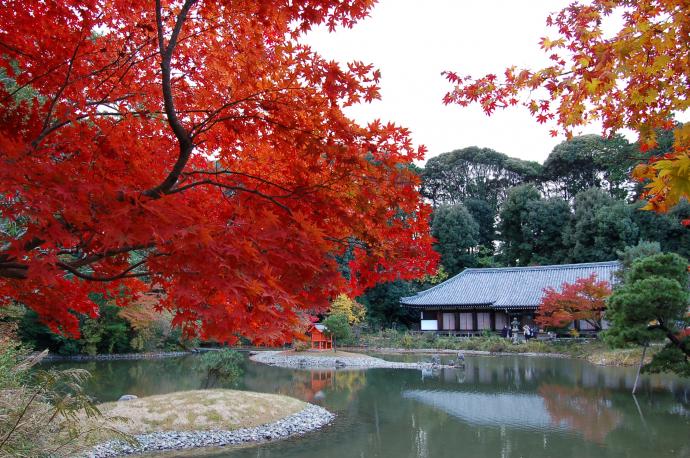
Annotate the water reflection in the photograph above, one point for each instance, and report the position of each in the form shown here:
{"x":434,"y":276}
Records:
{"x":515,"y":410}
{"x":496,"y":407}
{"x":588,"y":412}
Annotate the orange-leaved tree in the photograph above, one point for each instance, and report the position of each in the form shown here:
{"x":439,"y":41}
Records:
{"x":196,"y":148}
{"x":585,"y":299}
{"x":637,"y":78}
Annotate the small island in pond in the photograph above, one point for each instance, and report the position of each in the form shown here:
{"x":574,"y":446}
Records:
{"x":206,"y":418}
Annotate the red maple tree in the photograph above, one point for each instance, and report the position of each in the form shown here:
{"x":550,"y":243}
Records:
{"x":583,"y":300}
{"x":197,"y":148}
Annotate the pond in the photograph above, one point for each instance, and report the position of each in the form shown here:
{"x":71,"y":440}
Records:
{"x":496,"y":407}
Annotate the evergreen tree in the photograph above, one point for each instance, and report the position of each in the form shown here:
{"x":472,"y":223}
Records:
{"x":514,"y":214}
{"x":457,"y":235}
{"x":652,"y":304}
{"x":601,"y":226}
{"x":543,"y":230}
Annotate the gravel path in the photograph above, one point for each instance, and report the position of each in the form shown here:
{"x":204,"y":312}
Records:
{"x":278,"y":358}
{"x":309,"y":419}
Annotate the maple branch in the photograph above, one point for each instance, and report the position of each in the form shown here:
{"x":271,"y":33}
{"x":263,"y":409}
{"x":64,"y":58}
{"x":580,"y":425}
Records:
{"x":124,"y":274}
{"x":255,"y":97}
{"x":183,"y":137}
{"x":15,"y":50}
{"x":233,"y":188}
{"x":55,"y":99}
{"x":30,"y":82}
{"x":13,"y":269}
{"x":97,"y":257}
{"x":230,"y":172}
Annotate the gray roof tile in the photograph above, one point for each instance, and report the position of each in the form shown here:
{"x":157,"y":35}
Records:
{"x":507,"y":287}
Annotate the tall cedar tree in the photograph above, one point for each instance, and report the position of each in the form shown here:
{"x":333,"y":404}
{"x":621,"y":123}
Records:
{"x":585,"y":299}
{"x":635,"y":78}
{"x":198,"y":148}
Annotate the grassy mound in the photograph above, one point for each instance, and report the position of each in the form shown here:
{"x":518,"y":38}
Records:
{"x":201,"y":410}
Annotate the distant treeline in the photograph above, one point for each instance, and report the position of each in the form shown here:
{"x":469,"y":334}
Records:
{"x":491,"y":210}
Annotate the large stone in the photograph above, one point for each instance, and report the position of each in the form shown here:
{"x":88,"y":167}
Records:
{"x":127,"y":397}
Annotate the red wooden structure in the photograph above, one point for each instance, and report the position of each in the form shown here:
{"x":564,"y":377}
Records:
{"x":319,"y":340}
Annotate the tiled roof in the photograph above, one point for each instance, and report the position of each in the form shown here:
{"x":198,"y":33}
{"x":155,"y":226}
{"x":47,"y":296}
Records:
{"x":502,"y":288}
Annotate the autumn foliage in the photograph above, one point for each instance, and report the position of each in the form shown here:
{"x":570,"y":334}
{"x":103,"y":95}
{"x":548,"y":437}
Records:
{"x":197,"y":149}
{"x":585,"y":299}
{"x":636,"y":78}
{"x":350,"y":308}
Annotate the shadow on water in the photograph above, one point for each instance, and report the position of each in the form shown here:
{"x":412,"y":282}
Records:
{"x":495,"y":407}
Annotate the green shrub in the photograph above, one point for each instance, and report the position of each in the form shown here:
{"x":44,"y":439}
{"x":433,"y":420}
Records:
{"x":391,"y":336}
{"x":221,"y":366}
{"x":407,"y":341}
{"x":446,"y":343}
{"x":469,"y":344}
{"x":429,"y":338}
{"x":338,"y":327}
{"x":301,"y":345}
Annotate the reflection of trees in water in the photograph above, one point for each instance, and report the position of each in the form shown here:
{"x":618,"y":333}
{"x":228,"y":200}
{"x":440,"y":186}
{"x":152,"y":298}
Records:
{"x":336,"y":388}
{"x":585,"y":411}
{"x":111,"y":379}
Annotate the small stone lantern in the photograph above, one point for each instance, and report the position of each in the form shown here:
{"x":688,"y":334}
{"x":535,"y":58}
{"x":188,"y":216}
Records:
{"x":515,"y":329}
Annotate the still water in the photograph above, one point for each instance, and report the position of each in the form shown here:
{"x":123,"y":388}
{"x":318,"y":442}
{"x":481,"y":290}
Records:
{"x":496,"y":407}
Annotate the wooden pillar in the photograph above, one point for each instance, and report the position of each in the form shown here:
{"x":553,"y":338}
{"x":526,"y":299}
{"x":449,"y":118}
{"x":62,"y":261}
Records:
{"x":457,"y":321}
{"x":439,"y":320}
{"x":492,"y":315}
{"x":474,"y":320}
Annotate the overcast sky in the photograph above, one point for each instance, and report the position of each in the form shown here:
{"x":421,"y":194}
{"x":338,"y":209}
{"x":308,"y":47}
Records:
{"x":413,"y":41}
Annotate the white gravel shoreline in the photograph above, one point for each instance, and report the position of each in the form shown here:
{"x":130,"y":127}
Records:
{"x":277,"y":358}
{"x":309,"y":419}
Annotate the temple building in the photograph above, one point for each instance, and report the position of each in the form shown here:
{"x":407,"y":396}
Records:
{"x":477,"y":300}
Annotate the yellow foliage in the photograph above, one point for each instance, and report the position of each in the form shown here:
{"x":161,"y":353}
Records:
{"x":353,"y":310}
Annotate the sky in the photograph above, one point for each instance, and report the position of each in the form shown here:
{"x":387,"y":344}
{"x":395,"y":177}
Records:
{"x":413,"y":41}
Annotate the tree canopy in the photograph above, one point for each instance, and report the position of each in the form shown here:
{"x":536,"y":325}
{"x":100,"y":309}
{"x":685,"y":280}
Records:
{"x":198,"y":149}
{"x":479,"y":173}
{"x":517,"y":247}
{"x":589,"y":161}
{"x":457,"y":235}
{"x":601,"y":226}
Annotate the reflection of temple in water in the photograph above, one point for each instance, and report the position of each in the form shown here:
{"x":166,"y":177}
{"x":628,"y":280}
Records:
{"x":319,"y":381}
{"x":552,"y":407}
{"x":527,"y":375}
